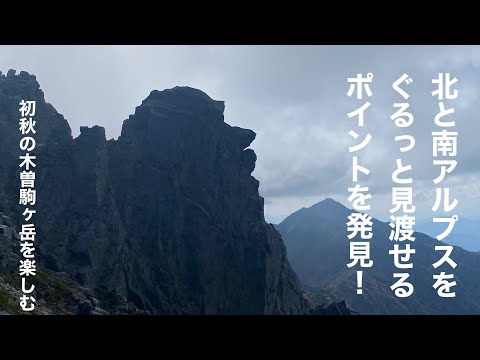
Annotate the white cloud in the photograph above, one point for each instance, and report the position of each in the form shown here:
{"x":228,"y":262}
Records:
{"x":293,"y":97}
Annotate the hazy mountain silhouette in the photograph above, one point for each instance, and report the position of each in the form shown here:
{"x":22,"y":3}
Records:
{"x":318,"y":249}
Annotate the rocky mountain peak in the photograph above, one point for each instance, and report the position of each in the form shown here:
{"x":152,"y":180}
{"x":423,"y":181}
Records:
{"x":184,"y":98}
{"x":181,"y":104}
{"x":22,"y":84}
{"x":167,"y":216}
{"x":95,"y":132}
{"x":318,"y":248}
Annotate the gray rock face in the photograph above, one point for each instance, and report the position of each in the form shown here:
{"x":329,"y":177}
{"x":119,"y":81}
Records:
{"x":9,"y":251}
{"x":51,"y":127}
{"x":56,"y":293}
{"x":168,"y":215}
{"x":339,"y":308}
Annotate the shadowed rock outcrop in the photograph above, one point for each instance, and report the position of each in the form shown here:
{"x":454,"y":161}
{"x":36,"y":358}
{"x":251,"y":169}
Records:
{"x":168,"y":215}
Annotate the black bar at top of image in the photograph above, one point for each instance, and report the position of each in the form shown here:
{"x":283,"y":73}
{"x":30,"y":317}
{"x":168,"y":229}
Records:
{"x":292,"y":23}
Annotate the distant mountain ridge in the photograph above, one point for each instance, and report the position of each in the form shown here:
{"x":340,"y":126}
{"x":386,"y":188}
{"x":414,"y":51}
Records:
{"x":318,"y":249}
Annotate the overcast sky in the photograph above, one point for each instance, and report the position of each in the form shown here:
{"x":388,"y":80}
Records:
{"x":294,"y":98}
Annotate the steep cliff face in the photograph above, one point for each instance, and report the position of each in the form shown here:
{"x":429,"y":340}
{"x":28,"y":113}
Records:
{"x":168,"y":215}
{"x":190,"y":206}
{"x":51,"y":128}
